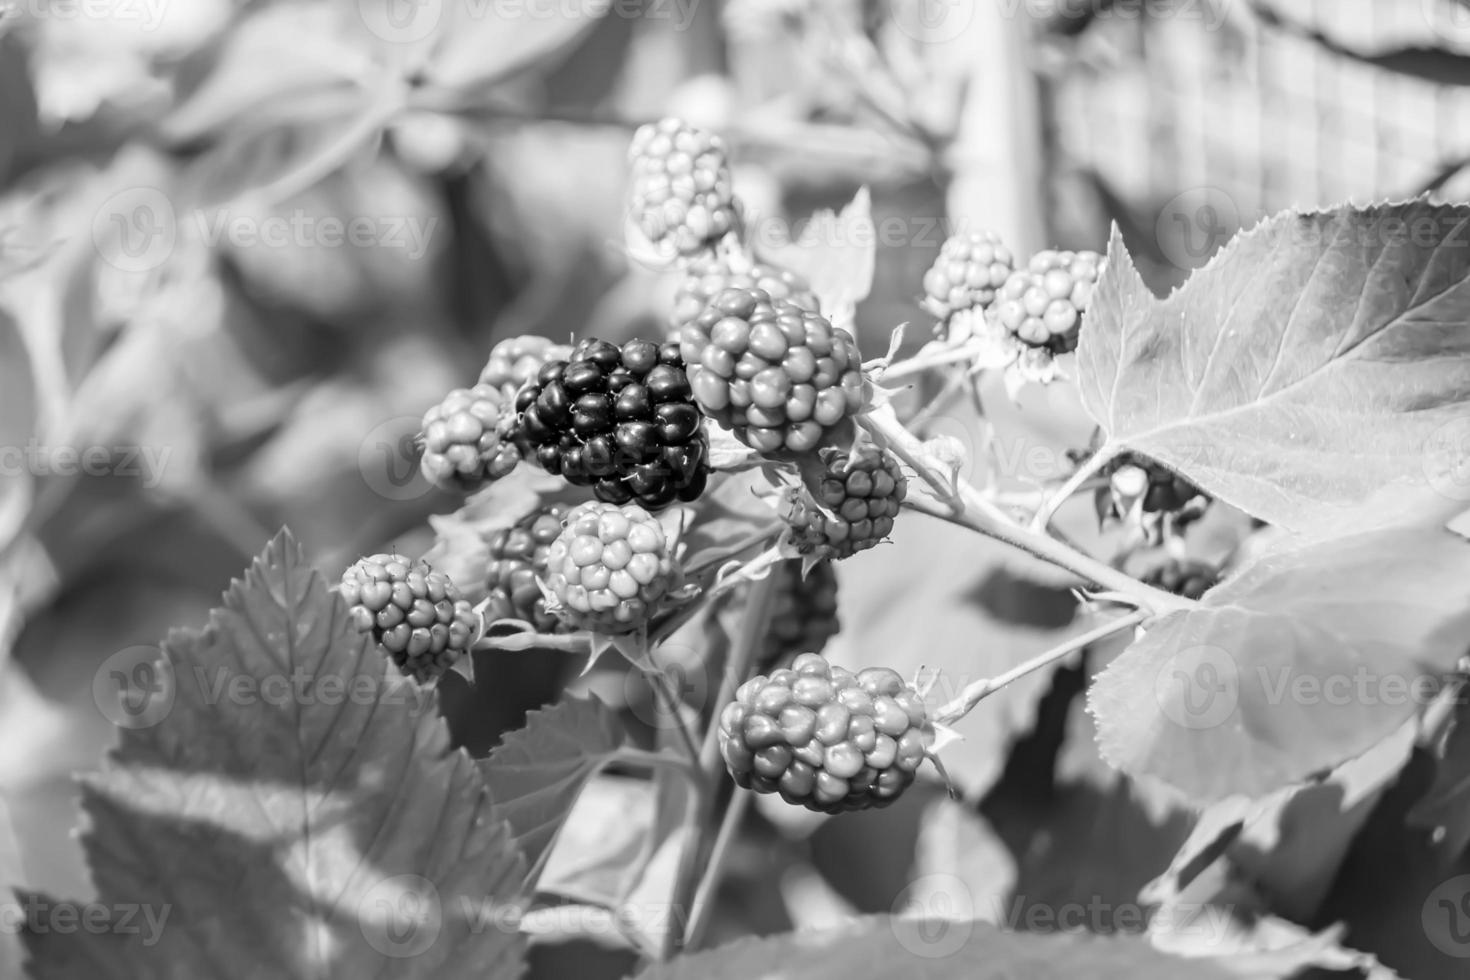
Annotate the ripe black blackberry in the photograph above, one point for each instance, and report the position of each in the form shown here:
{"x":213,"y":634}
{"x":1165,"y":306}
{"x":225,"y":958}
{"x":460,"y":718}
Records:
{"x":621,"y":420}
{"x":517,"y":559}
{"x":1137,"y":479}
{"x":825,"y":738}
{"x":803,"y":611}
{"x":707,"y":277}
{"x":414,"y":613}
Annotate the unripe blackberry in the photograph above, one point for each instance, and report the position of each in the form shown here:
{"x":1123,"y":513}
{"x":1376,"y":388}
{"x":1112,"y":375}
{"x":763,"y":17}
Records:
{"x":518,"y":556}
{"x":680,"y":194}
{"x":413,"y":612}
{"x":803,"y":611}
{"x":707,"y":277}
{"x":966,"y":275}
{"x":825,"y":738}
{"x":1183,"y":577}
{"x":610,"y":568}
{"x":1042,"y":304}
{"x":514,"y":361}
{"x":466,"y":439}
{"x":780,"y":377}
{"x":1133,"y":478}
{"x":621,"y":420}
{"x":854,"y":507}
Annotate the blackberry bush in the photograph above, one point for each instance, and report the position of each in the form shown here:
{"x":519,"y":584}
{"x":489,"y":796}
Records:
{"x":681,"y":197}
{"x":823,"y":737}
{"x":621,"y":420}
{"x":413,"y":612}
{"x":855,"y":504}
{"x":609,"y":568}
{"x":779,"y":376}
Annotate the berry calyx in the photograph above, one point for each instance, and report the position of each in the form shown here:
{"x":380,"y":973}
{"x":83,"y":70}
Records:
{"x":518,"y":557}
{"x":852,"y":507}
{"x":621,"y":420}
{"x":681,"y":196}
{"x":1042,"y":305}
{"x":803,"y":611}
{"x":780,"y":377}
{"x":467,"y":439}
{"x":707,"y":277}
{"x":610,"y":568}
{"x":413,"y":612}
{"x":514,"y":361}
{"x":824,"y":737}
{"x":970,"y":269}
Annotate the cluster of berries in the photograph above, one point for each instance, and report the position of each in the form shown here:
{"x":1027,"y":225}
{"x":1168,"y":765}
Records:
{"x":823,"y":737}
{"x":779,"y":376}
{"x":803,"y":611}
{"x":621,"y":420}
{"x":708,"y":277}
{"x":518,"y":556}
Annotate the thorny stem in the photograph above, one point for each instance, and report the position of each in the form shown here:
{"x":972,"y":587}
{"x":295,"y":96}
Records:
{"x":923,"y":362}
{"x":729,"y":827}
{"x":968,"y":507}
{"x":1085,"y":472}
{"x":972,"y":695}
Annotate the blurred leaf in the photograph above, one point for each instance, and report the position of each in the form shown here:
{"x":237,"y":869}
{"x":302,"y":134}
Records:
{"x":885,"y":946}
{"x":1446,"y":805}
{"x":484,"y":43}
{"x":835,"y":254}
{"x":1431,"y":64}
{"x":536,"y":774}
{"x":330,"y":835}
{"x":1304,"y":659}
{"x":1314,"y":371}
{"x":18,"y":417}
{"x":596,"y":859}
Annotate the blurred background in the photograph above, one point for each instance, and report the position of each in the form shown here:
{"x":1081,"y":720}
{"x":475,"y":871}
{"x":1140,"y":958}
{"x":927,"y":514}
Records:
{"x":244,"y":244}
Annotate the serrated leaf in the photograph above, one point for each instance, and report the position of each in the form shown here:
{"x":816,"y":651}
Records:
{"x":1307,"y":658}
{"x":536,"y":774}
{"x":835,"y":254}
{"x":888,"y":946}
{"x":1318,"y":361}
{"x":289,"y":834}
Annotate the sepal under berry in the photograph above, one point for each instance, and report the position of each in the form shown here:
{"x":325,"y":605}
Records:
{"x":413,"y":612}
{"x":612,"y":569}
{"x":782,"y":378}
{"x":467,"y":439}
{"x":825,"y":738}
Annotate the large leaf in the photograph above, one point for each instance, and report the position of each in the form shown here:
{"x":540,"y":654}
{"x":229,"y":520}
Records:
{"x":537,"y":772}
{"x":1306,"y":658}
{"x":293,"y":809}
{"x":1319,"y":360}
{"x":884,"y":946}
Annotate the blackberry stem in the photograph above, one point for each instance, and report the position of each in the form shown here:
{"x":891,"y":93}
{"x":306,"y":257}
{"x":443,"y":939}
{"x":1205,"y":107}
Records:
{"x":1084,"y":472}
{"x":972,"y":509}
{"x":949,"y":713}
{"x":923,"y":362}
{"x":703,"y":896}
